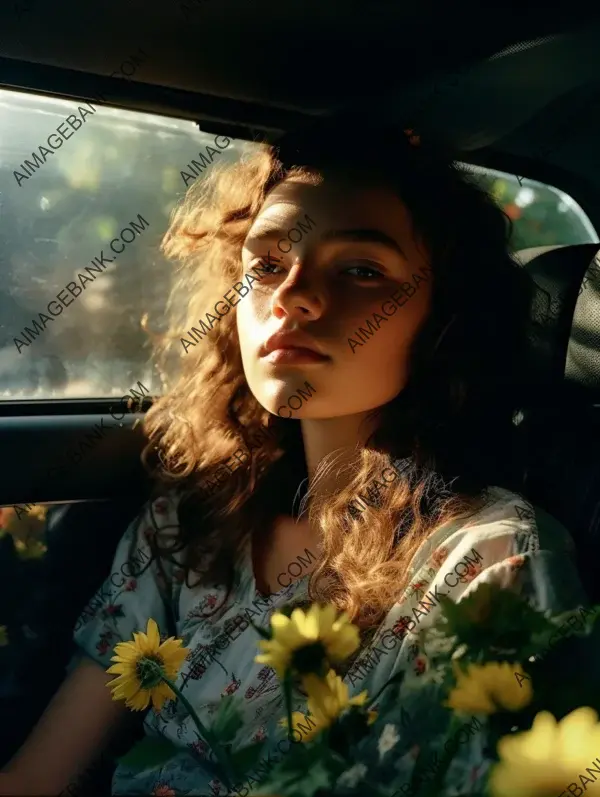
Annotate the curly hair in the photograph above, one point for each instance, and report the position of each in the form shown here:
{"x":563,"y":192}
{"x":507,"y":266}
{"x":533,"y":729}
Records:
{"x":454,"y":421}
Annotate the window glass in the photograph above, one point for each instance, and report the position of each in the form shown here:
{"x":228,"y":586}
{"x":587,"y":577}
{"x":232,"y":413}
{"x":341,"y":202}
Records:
{"x":541,"y":214}
{"x":86,"y":194}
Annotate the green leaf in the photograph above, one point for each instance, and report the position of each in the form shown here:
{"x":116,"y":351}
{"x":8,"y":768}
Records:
{"x":228,"y":720}
{"x":494,"y":620}
{"x":301,"y":773}
{"x":288,"y":609}
{"x":246,"y":758}
{"x":259,"y":630}
{"x":149,"y":752}
{"x":542,"y":640}
{"x":347,"y":730}
{"x":287,"y":695}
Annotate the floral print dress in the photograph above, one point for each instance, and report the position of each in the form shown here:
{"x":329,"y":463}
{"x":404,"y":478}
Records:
{"x":497,"y":544}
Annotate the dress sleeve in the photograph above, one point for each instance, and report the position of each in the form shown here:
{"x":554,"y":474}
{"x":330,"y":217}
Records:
{"x":523,"y":549}
{"x":138,"y":587}
{"x":511,"y":543}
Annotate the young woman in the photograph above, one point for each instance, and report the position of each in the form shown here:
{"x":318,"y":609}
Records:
{"x":341,"y":431}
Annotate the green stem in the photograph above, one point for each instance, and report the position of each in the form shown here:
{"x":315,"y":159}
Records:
{"x":287,"y":693}
{"x":441,"y":771}
{"x":204,"y":732}
{"x":394,"y":679}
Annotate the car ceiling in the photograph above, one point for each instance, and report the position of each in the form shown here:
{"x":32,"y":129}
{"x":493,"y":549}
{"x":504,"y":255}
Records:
{"x":263,"y":67}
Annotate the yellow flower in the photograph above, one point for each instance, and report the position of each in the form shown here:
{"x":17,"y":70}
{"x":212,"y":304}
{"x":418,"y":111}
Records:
{"x":3,"y":636}
{"x":304,"y":640}
{"x":327,"y":699}
{"x":26,"y":525}
{"x":30,"y":550}
{"x":38,"y":512}
{"x":551,"y":756}
{"x":488,"y":688}
{"x":140,"y":680}
{"x":298,"y":720}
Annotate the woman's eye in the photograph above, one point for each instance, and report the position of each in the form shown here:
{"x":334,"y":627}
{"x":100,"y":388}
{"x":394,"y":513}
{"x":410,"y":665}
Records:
{"x":270,"y":268}
{"x":266,"y":266}
{"x":368,"y":272}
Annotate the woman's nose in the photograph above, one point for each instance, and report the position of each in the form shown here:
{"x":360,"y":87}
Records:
{"x":299,"y":295}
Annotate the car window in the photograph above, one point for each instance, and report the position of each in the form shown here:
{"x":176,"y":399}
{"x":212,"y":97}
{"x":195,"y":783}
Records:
{"x":541,"y":214}
{"x":86,"y":193}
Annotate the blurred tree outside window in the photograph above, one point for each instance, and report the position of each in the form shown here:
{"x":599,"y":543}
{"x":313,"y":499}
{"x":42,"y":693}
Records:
{"x":541,"y":214}
{"x":118,"y":164}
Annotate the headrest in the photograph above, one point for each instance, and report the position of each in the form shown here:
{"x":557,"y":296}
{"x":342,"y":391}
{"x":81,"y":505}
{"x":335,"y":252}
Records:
{"x":583,"y":354}
{"x":561,"y":307}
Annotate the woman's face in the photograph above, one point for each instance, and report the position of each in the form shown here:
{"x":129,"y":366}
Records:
{"x":342,"y":260}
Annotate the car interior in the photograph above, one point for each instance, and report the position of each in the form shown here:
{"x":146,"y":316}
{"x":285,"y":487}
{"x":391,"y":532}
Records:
{"x":514,"y":91}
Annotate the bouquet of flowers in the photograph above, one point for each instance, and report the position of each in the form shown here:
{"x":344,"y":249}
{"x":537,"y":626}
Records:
{"x":26,"y":525}
{"x":507,"y":706}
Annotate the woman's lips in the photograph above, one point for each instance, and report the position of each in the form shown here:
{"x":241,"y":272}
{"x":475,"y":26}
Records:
{"x":295,"y":356}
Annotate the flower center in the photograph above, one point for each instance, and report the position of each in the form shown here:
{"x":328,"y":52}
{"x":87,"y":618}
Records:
{"x":310,"y":658}
{"x":150,"y":670}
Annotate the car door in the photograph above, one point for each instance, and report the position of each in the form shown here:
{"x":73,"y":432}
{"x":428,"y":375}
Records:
{"x":86,"y":193}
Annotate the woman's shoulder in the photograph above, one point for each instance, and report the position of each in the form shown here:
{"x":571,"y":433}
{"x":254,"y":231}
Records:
{"x":505,"y":525}
{"x":157,"y":522}
{"x":161,"y":510}
{"x":158,"y":514}
{"x":534,"y":529}
{"x":158,"y":529}
{"x":504,"y":511}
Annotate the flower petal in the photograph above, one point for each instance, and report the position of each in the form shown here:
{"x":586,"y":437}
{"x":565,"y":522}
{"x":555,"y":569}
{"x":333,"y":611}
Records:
{"x":153,"y":635}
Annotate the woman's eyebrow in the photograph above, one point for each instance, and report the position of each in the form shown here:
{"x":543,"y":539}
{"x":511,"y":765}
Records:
{"x":263,"y":233}
{"x":267,"y":232}
{"x":366,"y":236}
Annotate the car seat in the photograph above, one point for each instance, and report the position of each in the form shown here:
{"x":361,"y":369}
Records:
{"x":562,"y":424}
{"x":81,"y":542}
